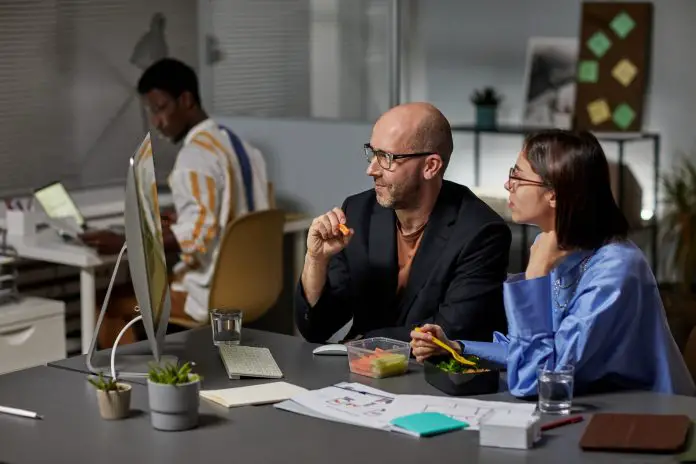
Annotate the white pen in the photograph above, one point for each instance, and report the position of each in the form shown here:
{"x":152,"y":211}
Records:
{"x":20,"y":412}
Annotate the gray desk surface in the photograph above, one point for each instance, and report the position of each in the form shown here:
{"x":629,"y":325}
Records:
{"x":72,"y":430}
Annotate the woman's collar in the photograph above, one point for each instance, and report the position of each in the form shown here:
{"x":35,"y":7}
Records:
{"x":571,"y":261}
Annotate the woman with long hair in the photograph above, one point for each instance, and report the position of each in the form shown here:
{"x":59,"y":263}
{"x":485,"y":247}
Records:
{"x":588,"y":297}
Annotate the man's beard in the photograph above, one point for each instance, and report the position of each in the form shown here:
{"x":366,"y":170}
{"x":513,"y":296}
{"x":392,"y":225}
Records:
{"x":400,"y":196}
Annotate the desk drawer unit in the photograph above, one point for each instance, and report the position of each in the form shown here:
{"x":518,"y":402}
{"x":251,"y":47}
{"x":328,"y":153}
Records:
{"x":32,"y":332}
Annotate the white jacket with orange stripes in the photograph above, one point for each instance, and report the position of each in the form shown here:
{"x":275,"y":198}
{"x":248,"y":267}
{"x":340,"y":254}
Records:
{"x":204,"y":174}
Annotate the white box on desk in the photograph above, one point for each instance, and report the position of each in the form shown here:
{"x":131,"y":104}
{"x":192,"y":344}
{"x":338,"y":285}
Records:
{"x":509,"y":429}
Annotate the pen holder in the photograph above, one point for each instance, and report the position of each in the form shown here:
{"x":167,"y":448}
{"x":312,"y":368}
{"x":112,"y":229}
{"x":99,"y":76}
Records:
{"x":20,"y":223}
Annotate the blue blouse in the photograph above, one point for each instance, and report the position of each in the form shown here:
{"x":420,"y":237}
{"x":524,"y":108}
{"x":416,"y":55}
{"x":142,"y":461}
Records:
{"x":600,"y":312}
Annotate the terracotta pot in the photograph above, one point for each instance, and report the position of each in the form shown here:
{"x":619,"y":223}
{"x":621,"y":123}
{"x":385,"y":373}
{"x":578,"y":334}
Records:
{"x":115,"y":404}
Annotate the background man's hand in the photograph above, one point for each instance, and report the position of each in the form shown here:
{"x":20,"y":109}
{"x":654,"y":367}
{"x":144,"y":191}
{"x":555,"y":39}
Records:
{"x":106,"y":242}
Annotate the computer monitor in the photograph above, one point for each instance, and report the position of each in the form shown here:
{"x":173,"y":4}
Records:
{"x":148,"y":267}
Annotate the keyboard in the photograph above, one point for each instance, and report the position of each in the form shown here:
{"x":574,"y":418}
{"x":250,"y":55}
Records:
{"x":249,"y":361}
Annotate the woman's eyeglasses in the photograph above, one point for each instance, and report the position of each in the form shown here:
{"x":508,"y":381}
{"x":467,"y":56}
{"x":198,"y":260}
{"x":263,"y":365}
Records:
{"x":515,"y":181}
{"x":386,"y":159}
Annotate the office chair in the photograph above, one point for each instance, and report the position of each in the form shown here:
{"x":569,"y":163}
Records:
{"x":248,"y":273}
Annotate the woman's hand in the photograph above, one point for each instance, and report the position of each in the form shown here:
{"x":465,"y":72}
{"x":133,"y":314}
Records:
{"x":422,"y":345}
{"x":544,"y":255}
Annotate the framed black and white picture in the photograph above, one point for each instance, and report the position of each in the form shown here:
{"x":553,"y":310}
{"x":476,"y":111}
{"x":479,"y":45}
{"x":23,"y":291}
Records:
{"x":550,"y":78}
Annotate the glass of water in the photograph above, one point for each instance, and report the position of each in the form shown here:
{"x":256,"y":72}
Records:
{"x":555,"y":387}
{"x":227,"y":326}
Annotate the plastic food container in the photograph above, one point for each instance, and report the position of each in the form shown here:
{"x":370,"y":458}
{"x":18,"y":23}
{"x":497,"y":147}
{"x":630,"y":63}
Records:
{"x":378,"y":357}
{"x":485,"y":379}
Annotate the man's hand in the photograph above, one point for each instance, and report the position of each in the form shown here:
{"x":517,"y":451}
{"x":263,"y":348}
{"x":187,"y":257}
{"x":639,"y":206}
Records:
{"x":328,"y":235}
{"x":106,"y":242}
{"x":544,"y":255}
{"x":168,"y":218}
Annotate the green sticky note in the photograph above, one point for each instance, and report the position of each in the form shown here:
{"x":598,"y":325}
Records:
{"x":425,"y":424}
{"x":623,"y":116}
{"x":588,"y":71}
{"x":622,"y":24}
{"x":599,"y":43}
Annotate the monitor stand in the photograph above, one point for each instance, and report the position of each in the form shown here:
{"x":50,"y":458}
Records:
{"x":136,"y":361}
{"x":129,"y":365}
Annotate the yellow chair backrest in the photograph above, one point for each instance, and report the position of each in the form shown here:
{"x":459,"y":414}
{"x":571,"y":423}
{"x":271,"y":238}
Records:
{"x":248,"y":274}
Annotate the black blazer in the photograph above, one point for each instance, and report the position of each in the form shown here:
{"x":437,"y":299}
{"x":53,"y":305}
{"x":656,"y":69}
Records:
{"x":456,"y":278}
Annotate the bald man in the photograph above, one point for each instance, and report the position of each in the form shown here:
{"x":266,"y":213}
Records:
{"x":415,"y":249}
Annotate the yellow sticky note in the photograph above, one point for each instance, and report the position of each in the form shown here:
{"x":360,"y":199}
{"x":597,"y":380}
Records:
{"x":599,"y":111}
{"x":624,"y":72}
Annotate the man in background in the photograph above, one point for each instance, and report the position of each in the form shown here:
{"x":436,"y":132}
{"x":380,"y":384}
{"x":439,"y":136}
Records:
{"x":415,"y":249}
{"x":216,"y":177}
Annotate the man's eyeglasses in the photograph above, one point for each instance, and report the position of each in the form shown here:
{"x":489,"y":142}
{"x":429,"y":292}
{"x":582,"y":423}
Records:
{"x":514,"y":180}
{"x":385,"y":159}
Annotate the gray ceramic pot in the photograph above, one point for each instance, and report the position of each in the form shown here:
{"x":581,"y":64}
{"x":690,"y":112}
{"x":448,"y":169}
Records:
{"x":174,"y":407}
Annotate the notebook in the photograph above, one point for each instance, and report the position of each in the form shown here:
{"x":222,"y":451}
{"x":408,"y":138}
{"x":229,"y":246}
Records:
{"x":636,"y":433}
{"x":254,"y":394}
{"x":425,"y":424}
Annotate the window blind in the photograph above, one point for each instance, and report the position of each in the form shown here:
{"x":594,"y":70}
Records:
{"x":263,"y":66}
{"x":30,"y":129}
{"x":298,"y":58}
{"x":68,"y":104}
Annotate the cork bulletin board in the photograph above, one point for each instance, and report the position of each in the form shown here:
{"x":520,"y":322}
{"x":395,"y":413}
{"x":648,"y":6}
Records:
{"x":613,"y":64}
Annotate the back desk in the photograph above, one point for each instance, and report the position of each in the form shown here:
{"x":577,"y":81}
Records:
{"x":72,"y":430}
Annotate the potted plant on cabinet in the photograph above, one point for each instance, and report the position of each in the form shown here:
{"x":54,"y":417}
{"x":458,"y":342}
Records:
{"x":680,"y":236}
{"x":113,"y":397}
{"x":486,"y":102}
{"x":173,"y":394}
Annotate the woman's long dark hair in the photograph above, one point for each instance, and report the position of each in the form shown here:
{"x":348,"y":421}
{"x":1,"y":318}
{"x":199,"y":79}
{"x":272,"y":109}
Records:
{"x":573,"y":164}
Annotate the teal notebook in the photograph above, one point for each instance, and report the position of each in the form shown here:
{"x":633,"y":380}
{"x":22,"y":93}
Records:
{"x":425,"y":424}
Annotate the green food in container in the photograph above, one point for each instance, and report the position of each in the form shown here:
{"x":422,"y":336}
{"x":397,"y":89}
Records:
{"x":455,"y":367}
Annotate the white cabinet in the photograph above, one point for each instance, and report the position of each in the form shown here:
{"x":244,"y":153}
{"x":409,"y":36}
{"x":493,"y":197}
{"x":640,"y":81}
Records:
{"x":32,"y":333}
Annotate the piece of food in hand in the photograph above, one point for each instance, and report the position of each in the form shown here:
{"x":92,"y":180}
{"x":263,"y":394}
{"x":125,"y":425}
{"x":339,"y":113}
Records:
{"x":344,"y":229}
{"x":455,"y":367}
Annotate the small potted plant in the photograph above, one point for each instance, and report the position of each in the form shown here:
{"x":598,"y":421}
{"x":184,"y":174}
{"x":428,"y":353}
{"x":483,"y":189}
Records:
{"x":173,"y":393}
{"x":486,"y":102}
{"x":113,"y":397}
